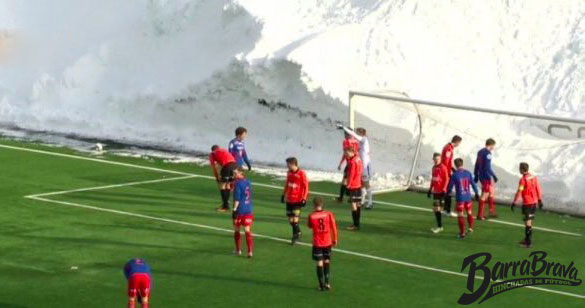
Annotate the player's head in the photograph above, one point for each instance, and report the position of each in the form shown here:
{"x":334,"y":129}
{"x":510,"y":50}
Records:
{"x":360,"y":131}
{"x":239,"y":173}
{"x":214,"y":147}
{"x":437,"y":159}
{"x":318,"y":203}
{"x":349,"y":152}
{"x":458,"y":162}
{"x":292,"y":163}
{"x":241,"y":133}
{"x":490,"y":144}
{"x":524,"y":167}
{"x":456,"y":140}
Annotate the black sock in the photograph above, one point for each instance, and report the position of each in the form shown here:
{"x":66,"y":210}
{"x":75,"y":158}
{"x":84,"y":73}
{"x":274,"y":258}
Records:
{"x":294,"y":229}
{"x":528,"y":232}
{"x":226,"y":198}
{"x":326,"y":272}
{"x":354,"y":217}
{"x":439,"y":219}
{"x":320,"y":275}
{"x":448,"y":204}
{"x":359,"y":215}
{"x":342,"y":191}
{"x":297,"y":229}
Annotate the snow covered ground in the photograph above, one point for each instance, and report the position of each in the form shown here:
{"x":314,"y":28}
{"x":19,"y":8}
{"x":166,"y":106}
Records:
{"x":182,"y":74}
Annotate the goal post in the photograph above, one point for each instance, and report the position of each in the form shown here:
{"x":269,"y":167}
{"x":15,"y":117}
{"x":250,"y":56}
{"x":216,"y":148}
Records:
{"x":405,"y":132}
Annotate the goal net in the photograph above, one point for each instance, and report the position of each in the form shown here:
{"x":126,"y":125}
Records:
{"x":404,"y":133}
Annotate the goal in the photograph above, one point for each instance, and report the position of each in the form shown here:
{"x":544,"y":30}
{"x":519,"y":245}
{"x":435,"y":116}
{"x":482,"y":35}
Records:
{"x":405,"y":132}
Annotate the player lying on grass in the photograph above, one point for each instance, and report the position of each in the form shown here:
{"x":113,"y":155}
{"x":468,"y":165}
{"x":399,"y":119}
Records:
{"x":348,"y":142}
{"x":137,"y":273}
{"x":296,"y":191}
{"x":324,"y":238}
{"x":221,"y":158}
{"x":462,"y":180}
{"x":485,"y":174}
{"x":438,"y":189}
{"x":238,"y":149}
{"x":447,"y":160}
{"x":364,"y":153}
{"x":529,"y":191}
{"x":242,"y":213}
{"x":354,"y":186}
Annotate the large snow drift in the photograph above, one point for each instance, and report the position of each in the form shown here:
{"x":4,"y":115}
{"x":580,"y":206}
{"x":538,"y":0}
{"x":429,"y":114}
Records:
{"x":182,"y":74}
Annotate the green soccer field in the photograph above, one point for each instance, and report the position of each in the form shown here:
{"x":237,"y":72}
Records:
{"x":61,"y":209}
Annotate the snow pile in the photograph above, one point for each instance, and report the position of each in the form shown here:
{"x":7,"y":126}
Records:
{"x":182,"y":74}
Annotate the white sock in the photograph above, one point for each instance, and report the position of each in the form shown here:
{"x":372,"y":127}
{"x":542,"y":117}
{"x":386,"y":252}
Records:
{"x":370,"y":197}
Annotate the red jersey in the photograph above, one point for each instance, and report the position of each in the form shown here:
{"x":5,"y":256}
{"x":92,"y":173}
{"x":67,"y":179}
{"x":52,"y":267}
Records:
{"x":447,"y":157}
{"x":440,"y":179}
{"x":350,"y":142}
{"x":354,"y":172}
{"x":529,"y":190}
{"x":324,"y":228}
{"x":221,"y":156}
{"x":296,"y":187}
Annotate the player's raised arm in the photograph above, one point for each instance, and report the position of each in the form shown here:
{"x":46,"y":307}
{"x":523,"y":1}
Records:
{"x":352,"y":133}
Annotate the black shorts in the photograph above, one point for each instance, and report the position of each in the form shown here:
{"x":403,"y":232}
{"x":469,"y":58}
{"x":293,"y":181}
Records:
{"x":294,"y":209}
{"x":529,"y":211}
{"x":227,"y":172}
{"x":355,"y":195}
{"x":439,"y":196}
{"x":321,"y":253}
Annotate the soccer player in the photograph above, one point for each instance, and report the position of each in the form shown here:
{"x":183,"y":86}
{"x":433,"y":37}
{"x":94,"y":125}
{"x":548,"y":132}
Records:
{"x":242,"y":213}
{"x":226,"y":161}
{"x":529,"y":191}
{"x":438,"y":189}
{"x":324,"y":237}
{"x":364,"y":152}
{"x":485,"y":174}
{"x":137,"y":273}
{"x":296,"y":191}
{"x":447,"y":160}
{"x":348,"y":142}
{"x":462,"y":180}
{"x":238,"y":149}
{"x":354,"y":186}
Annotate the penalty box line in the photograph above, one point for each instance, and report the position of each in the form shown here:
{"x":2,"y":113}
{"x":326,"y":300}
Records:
{"x":342,"y":251}
{"x":257,"y":184}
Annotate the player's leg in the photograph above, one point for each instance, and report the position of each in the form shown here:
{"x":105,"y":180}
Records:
{"x":237,"y":237}
{"x":132,"y":292}
{"x":528,"y":220}
{"x":144,"y":290}
{"x":318,"y":257}
{"x":326,"y":270}
{"x":492,"y":202}
{"x":438,"y":200}
{"x":354,"y":198}
{"x":461,"y":219}
{"x":296,"y":218}
{"x":470,"y":220}
{"x":249,"y":239}
{"x":482,"y":200}
{"x":343,"y":187}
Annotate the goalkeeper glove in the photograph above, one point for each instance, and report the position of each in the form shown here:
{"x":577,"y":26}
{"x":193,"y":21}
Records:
{"x":339,"y":125}
{"x":540,"y":204}
{"x":513,"y":207}
{"x":495,"y":179}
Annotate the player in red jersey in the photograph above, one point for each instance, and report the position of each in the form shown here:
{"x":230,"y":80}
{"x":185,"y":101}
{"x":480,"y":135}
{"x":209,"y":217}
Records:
{"x":221,"y":158}
{"x":354,"y":186}
{"x":324,"y":238}
{"x":438,"y":189}
{"x":447,"y":160}
{"x":348,"y":142}
{"x":531,"y":194}
{"x":296,"y":191}
{"x":242,"y":214}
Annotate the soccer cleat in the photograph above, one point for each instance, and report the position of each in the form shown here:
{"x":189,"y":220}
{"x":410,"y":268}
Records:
{"x":460,"y":236}
{"x":526,"y":245}
{"x":327,"y":287}
{"x":338,"y":200}
{"x":237,"y":252}
{"x":493,"y":215}
{"x":480,"y":218}
{"x":222,"y":209}
{"x":369,"y":207}
{"x":522,"y":242}
{"x":452,"y":214}
{"x":250,"y":255}
{"x":353,"y":228}
{"x":437,"y":229}
{"x":470,"y":230}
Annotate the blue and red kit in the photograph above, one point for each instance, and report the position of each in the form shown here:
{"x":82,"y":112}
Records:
{"x":238,"y":150}
{"x":137,"y":273}
{"x":462,"y":180}
{"x":483,"y":166}
{"x":243,"y":194}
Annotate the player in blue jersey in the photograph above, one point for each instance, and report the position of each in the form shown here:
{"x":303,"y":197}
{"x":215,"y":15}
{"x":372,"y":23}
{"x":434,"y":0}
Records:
{"x":485,"y":174}
{"x":238,"y":149}
{"x":242,"y":213}
{"x":462,"y":180}
{"x":137,"y":273}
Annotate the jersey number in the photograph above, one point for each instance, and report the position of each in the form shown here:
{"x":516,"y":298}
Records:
{"x":321,"y":224}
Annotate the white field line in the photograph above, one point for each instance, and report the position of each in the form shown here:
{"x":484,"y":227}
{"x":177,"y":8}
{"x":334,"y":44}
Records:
{"x":343,"y":251}
{"x":259,"y":184}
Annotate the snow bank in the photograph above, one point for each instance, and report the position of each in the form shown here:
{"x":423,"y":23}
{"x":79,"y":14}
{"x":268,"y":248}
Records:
{"x":182,"y":74}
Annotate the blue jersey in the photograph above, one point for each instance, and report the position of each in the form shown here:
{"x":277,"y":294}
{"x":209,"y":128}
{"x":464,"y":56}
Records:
{"x":243,"y":194}
{"x":135,"y":266}
{"x":238,"y":150}
{"x":483,"y":166}
{"x":463,"y":181}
